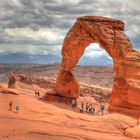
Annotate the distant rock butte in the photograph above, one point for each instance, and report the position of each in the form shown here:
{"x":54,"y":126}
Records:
{"x":108,"y":33}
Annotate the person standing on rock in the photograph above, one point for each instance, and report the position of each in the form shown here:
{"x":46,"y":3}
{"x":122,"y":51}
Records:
{"x":17,"y":107}
{"x":35,"y":93}
{"x":38,"y":93}
{"x":73,"y":103}
{"x":90,"y":109}
{"x":102,"y":109}
{"x":93,"y":110}
{"x":87,"y":107}
{"x":82,"y":107}
{"x":11,"y":105}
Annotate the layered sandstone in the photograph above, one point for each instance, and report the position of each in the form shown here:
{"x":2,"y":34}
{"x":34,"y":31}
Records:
{"x":26,"y":84}
{"x":42,"y":82}
{"x":6,"y":90}
{"x":108,"y":33}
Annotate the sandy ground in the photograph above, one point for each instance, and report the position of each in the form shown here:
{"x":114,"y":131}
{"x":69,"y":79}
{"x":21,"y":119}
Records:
{"x":39,"y":120}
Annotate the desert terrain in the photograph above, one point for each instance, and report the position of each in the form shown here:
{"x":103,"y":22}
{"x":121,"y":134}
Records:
{"x":44,"y":118}
{"x":99,"y":75}
{"x":39,"y":120}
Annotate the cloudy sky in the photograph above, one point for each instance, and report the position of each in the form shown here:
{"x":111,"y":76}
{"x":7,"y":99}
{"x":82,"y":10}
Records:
{"x":39,"y":26}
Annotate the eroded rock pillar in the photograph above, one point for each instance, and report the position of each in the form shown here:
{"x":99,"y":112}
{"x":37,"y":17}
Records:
{"x":73,"y":48}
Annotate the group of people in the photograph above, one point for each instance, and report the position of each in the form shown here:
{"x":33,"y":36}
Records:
{"x":88,"y":107}
{"x":17,"y":106}
{"x":37,"y":94}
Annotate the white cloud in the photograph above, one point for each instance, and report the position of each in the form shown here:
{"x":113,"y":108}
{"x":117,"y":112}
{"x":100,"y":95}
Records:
{"x":42,"y":33}
{"x":95,"y":53}
{"x":16,"y":2}
{"x":94,"y":50}
{"x":30,"y":49}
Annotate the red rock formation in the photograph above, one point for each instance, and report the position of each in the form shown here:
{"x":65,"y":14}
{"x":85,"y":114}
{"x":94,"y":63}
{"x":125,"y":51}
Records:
{"x":108,"y":33}
{"x":12,"y":80}
{"x":6,"y":90}
{"x":43,"y":82}
{"x":9,"y":91}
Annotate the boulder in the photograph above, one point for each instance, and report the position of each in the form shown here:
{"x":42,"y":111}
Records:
{"x":9,"y":91}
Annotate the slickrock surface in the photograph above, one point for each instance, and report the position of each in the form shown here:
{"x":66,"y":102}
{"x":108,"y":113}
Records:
{"x":42,"y":120}
{"x":110,"y":36}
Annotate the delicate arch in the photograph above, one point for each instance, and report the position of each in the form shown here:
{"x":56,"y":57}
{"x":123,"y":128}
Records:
{"x":110,"y":36}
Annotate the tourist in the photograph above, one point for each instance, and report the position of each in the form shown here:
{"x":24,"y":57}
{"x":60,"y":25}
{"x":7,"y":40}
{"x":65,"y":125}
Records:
{"x":87,"y":107}
{"x":35,"y":93}
{"x":82,"y":107}
{"x":93,"y":110}
{"x":38,"y":93}
{"x":102,"y":109}
{"x":90,"y":109}
{"x":73,"y":103}
{"x":17,"y":107}
{"x":11,"y":105}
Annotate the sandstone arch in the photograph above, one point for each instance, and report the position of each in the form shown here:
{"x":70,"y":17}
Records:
{"x":110,"y":36}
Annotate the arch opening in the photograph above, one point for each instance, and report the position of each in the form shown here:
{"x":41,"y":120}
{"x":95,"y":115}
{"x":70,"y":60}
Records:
{"x":95,"y":67}
{"x":94,"y":55}
{"x":94,"y":72}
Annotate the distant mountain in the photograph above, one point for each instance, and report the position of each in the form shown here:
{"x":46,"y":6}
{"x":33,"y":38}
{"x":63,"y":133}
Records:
{"x":101,"y":60}
{"x":16,"y":58}
{"x":21,"y":58}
